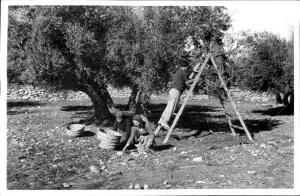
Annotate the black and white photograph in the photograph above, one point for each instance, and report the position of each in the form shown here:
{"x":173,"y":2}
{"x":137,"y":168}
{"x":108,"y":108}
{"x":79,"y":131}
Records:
{"x":150,"y":97}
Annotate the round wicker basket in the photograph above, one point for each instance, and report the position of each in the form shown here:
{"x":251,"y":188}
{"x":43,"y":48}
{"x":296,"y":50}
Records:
{"x":74,"y":130}
{"x":108,"y":138}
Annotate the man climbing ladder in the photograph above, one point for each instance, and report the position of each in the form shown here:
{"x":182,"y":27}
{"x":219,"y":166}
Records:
{"x":172,"y":104}
{"x":179,"y":84}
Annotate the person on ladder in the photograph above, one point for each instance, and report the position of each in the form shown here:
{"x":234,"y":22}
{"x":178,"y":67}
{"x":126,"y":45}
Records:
{"x":217,"y":51}
{"x":179,"y":84}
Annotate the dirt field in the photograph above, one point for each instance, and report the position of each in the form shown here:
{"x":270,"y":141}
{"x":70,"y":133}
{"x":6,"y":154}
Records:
{"x":40,"y":156}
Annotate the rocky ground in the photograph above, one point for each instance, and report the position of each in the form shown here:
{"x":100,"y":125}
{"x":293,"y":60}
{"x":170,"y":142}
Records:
{"x":41,"y":156}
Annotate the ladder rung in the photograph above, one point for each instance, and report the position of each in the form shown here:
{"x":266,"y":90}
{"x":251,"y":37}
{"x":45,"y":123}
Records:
{"x":237,"y":127}
{"x":165,"y":126}
{"x":174,"y":114}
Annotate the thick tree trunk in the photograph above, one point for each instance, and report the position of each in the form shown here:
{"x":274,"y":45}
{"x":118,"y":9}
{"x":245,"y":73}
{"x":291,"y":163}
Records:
{"x":132,"y":99}
{"x":139,"y":101}
{"x":102,"y":102}
{"x":278,"y":98}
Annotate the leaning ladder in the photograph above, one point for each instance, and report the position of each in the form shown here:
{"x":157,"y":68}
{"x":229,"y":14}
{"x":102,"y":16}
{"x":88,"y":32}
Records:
{"x":199,"y":71}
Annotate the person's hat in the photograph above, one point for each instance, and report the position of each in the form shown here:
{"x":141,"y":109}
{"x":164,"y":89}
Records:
{"x":119,"y":115}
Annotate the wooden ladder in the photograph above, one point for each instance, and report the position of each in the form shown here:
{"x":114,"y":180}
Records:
{"x":199,"y":69}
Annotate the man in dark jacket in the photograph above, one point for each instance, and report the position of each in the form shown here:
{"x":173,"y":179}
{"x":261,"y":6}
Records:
{"x":122,"y":125}
{"x":179,"y":84}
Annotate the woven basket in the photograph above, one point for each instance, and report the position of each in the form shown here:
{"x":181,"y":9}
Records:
{"x":74,"y":130}
{"x":108,"y":138}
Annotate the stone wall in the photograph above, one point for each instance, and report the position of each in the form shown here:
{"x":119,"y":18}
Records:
{"x":35,"y":93}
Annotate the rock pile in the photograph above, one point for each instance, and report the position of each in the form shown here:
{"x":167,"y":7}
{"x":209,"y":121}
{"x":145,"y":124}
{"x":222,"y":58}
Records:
{"x":247,"y":95}
{"x":36,"y":93}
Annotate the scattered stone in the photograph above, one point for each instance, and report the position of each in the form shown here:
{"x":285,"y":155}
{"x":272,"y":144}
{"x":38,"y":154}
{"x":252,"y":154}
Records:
{"x":197,"y":159}
{"x":165,"y":182}
{"x":272,"y":143}
{"x":31,"y":184}
{"x":221,"y":176}
{"x":123,"y":163}
{"x":130,"y":186}
{"x":137,"y":186}
{"x":66,"y":185}
{"x":39,"y":153}
{"x":263,"y":145}
{"x":120,"y":153}
{"x":103,"y":167}
{"x":106,"y":170}
{"x":93,"y":169}
{"x":251,"y":172}
{"x":22,"y":160}
{"x":200,"y":182}
{"x":183,"y":152}
{"x":54,"y":166}
{"x":101,"y":162}
{"x":174,"y":149}
{"x":146,"y":186}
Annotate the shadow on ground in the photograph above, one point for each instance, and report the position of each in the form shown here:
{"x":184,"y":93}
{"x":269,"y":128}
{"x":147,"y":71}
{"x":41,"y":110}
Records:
{"x":88,"y":134}
{"x":18,"y":112}
{"x":194,"y":117}
{"x":72,"y":108}
{"x":12,"y":104}
{"x":278,"y":111}
{"x":162,"y":147}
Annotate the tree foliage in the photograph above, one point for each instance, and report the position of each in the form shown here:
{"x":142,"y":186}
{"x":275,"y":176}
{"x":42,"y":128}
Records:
{"x":264,"y":62}
{"x":87,"y":48}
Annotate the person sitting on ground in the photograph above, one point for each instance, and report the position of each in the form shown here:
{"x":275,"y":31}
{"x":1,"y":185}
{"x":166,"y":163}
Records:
{"x":122,"y":125}
{"x":180,"y":82}
{"x":141,"y":133}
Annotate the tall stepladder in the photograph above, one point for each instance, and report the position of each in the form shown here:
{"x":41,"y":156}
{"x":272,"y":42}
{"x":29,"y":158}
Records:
{"x":199,"y":69}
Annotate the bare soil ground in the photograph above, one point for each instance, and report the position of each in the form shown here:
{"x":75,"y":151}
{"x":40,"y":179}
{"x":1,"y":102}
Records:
{"x":40,"y":156}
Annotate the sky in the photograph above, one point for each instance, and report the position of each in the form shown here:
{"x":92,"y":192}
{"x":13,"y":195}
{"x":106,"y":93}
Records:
{"x":276,"y":17}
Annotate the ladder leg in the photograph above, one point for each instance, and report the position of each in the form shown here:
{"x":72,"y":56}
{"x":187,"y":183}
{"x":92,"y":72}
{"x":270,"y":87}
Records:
{"x":196,"y":79}
{"x":157,"y":130}
{"x":227,"y":116}
{"x":231,"y":100}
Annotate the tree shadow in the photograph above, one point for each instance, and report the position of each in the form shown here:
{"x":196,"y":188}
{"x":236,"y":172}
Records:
{"x":194,"y":117}
{"x":12,"y":104}
{"x":18,"y":112}
{"x":86,"y":113}
{"x":73,"y":108}
{"x":253,"y":125}
{"x":162,"y":147}
{"x":277,"y":111}
{"x":197,"y":111}
{"x":88,"y":134}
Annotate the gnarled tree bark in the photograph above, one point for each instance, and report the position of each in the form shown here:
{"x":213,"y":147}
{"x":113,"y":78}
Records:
{"x":102,"y":102}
